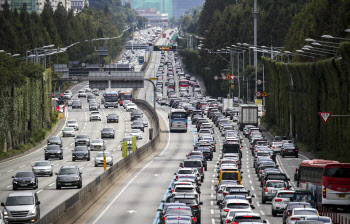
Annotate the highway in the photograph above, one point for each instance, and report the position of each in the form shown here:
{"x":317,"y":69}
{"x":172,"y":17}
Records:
{"x":138,"y":195}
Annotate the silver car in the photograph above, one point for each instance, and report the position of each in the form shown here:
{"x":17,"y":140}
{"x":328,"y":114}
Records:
{"x":42,"y":168}
{"x":73,"y":123}
{"x":143,"y":120}
{"x":97,"y":144}
{"x":68,"y":132}
{"x":99,"y":158}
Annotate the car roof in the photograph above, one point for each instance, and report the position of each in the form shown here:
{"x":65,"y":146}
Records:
{"x":21,"y":193}
{"x":237,"y":201}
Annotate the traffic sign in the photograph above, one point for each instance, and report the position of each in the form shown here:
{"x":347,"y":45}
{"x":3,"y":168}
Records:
{"x":124,"y":149}
{"x":325,"y":116}
{"x":264,"y":94}
{"x":223,"y":77}
{"x":216,"y":77}
{"x":233,"y":77}
{"x":228,"y":77}
{"x":133,"y":140}
{"x":257,"y":94}
{"x":259,"y":82}
{"x":232,"y":86}
{"x":153,"y":78}
{"x":258,"y":101}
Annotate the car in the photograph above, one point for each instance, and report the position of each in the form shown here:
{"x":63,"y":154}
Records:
{"x":76,"y":104}
{"x":137,"y":125}
{"x":242,"y":217}
{"x":82,"y":139}
{"x":191,"y":201}
{"x":93,"y":107}
{"x":42,"y":168}
{"x":112,"y":118}
{"x":97,"y":144}
{"x":81,"y":153}
{"x":135,"y":114}
{"x":320,"y":219}
{"x":301,"y":213}
{"x":99,"y":158}
{"x":178,"y":211}
{"x":290,"y":206}
{"x":232,"y":212}
{"x":270,"y":189}
{"x":82,"y":93}
{"x":70,"y":103}
{"x":194,"y":164}
{"x":95,"y":92}
{"x":21,"y":207}
{"x":90,"y":97}
{"x":73,"y":124}
{"x":289,"y":150}
{"x":68,"y":132}
{"x":54,"y":140}
{"x":130,"y":107}
{"x":143,"y":120}
{"x":280,"y":201}
{"x":25,"y":179}
{"x":137,"y":133}
{"x":67,"y":96}
{"x":107,"y":133}
{"x":95,"y":116}
{"x":69,"y":176}
{"x":53,"y":151}
{"x":233,"y":204}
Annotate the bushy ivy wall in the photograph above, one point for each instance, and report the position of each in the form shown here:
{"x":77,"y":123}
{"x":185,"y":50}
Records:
{"x":25,"y":110}
{"x":298,"y":91}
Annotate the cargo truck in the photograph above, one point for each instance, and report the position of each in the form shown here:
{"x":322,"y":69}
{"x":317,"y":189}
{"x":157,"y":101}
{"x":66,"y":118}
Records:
{"x":226,"y":103}
{"x":248,"y":114}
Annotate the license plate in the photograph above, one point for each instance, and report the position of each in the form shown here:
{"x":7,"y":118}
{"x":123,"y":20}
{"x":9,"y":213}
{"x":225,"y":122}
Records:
{"x":112,"y":120}
{"x":341,"y":195}
{"x":97,"y":147}
{"x":42,"y":171}
{"x":179,"y":125}
{"x":290,"y":150}
{"x":68,"y":183}
{"x":23,"y":185}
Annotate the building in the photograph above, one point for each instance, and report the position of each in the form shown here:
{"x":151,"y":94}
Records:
{"x":54,"y":3}
{"x":163,"y":6}
{"x":179,"y":7}
{"x":78,"y":5}
{"x":2,"y":2}
{"x":154,"y":17}
{"x":36,"y":5}
{"x":18,"y":4}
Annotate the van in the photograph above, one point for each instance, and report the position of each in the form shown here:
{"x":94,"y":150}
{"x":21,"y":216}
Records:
{"x":21,"y":207}
{"x":230,"y":175}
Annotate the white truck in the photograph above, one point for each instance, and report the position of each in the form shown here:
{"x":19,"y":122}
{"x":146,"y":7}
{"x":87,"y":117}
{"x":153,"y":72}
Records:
{"x":248,"y":114}
{"x":226,"y":103}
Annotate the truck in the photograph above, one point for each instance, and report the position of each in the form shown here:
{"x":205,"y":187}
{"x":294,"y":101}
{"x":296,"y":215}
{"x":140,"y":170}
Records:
{"x":226,"y":103}
{"x":248,"y":115}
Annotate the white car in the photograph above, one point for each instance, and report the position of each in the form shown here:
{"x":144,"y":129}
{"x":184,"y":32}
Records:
{"x":276,"y":147}
{"x":280,"y":201}
{"x":67,"y":96}
{"x":301,"y":213}
{"x":87,"y":89}
{"x":95,"y":116}
{"x":97,"y":144}
{"x":131,"y":106}
{"x":233,"y":204}
{"x":73,"y":124}
{"x":68,"y":132}
{"x":82,"y":93}
{"x":99,"y":158}
{"x":232,"y":212}
{"x":137,"y":133}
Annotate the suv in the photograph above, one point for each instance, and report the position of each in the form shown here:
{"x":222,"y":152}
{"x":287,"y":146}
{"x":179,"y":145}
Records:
{"x":194,"y":164}
{"x":95,"y":116}
{"x":73,"y":124}
{"x":81,"y":152}
{"x":53,"y":151}
{"x":21,"y":207}
{"x":82,"y":93}
{"x":280,"y":201}
{"x":69,"y":176}
{"x":54,"y":140}
{"x":270,"y":189}
{"x":82,"y":139}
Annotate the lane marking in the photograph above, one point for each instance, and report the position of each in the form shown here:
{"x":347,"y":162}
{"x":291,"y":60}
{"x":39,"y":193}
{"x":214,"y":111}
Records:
{"x":212,"y":211}
{"x":10,"y":170}
{"x":39,"y":191}
{"x":22,"y":166}
{"x":262,"y":212}
{"x":51,"y":184}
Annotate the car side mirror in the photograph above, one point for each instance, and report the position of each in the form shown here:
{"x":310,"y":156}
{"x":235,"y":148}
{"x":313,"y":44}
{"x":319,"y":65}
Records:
{"x":264,"y":221}
{"x":56,"y":173}
{"x":217,"y":176}
{"x":217,"y":163}
{"x":252,"y":206}
{"x":13,"y":176}
{"x":2,"y":204}
{"x":181,"y":164}
{"x":175,"y":173}
{"x":80,"y":173}
{"x":200,"y":203}
{"x":277,"y":166}
{"x":37,"y":203}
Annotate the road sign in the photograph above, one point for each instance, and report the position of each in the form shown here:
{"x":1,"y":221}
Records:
{"x":223,"y":77}
{"x":264,"y":94}
{"x":325,"y":116}
{"x":133,"y":139}
{"x":231,"y":81}
{"x":124,"y":149}
{"x":233,"y":77}
{"x":258,"y":101}
{"x":153,"y":78}
{"x":216,"y":77}
{"x":259,"y":82}
{"x":257,"y":94}
{"x":228,"y":77}
{"x":232,"y":86}
{"x":148,"y":48}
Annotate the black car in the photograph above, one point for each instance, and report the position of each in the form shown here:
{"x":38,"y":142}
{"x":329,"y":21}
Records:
{"x":207,"y":152}
{"x":82,"y":139}
{"x":53,"y":151}
{"x":192,"y":202}
{"x":69,"y":176}
{"x":107,"y":133}
{"x":95,"y":92}
{"x":137,"y":125}
{"x":76,"y":104}
{"x":54,"y":140}
{"x":80,"y":153}
{"x":112,"y":118}
{"x":289,"y":151}
{"x":24,"y":179}
{"x":136,"y":114}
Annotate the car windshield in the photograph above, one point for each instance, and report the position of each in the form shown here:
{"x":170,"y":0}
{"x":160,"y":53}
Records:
{"x":97,"y":141}
{"x":179,"y":212}
{"x":112,"y":115}
{"x":82,"y":136}
{"x":108,"y":129}
{"x":303,"y":197}
{"x":292,"y":206}
{"x":100,"y":154}
{"x":229,"y":176}
{"x":305,"y":212}
{"x":54,"y":139}
{"x":20,"y":200}
{"x":135,"y":131}
{"x":275,"y":184}
{"x":186,"y":172}
{"x":72,"y":122}
{"x":184,"y":189}
{"x":237,"y":205}
{"x":42,"y":163}
{"x":178,"y":115}
{"x":24,"y":174}
{"x":186,"y":200}
{"x":285,"y":195}
{"x":68,"y":129}
{"x":138,"y":123}
{"x":338,"y":172}
{"x":192,"y":164}
{"x":80,"y":149}
{"x":67,"y":171}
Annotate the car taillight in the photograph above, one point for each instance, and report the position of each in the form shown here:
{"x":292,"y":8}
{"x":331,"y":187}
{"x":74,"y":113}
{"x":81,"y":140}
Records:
{"x":284,"y":150}
{"x":186,"y":125}
{"x":225,"y":193}
{"x":171,"y":124}
{"x":219,"y":192}
{"x":265,"y":189}
{"x":164,"y":218}
{"x":240,"y":147}
{"x":195,"y":206}
{"x":235,"y":223}
{"x":202,"y":169}
{"x":324,"y":192}
{"x":287,"y":212}
{"x":278,"y":199}
{"x":193,"y":219}
{"x":294,"y":219}
{"x":227,"y":210}
{"x":264,"y":182}
{"x":296,"y":150}
{"x":177,"y":177}
{"x":273,"y":147}
{"x":172,"y":191}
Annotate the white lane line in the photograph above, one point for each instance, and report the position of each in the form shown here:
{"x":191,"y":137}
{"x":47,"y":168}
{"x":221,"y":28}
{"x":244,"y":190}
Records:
{"x":214,"y":174}
{"x":212,"y":221}
{"x":211,"y":203}
{"x":166,"y":122}
{"x":250,"y":181}
{"x":120,"y":193}
{"x":252,"y":188}
{"x":257,"y":203}
{"x":10,"y":171}
{"x":262,"y":212}
{"x":212,"y":181}
{"x":248,"y":176}
{"x":9,"y":186}
{"x":212,"y":211}
{"x":22,"y":166}
{"x":39,"y":191}
{"x":212,"y":187}
{"x":211,"y":195}
{"x":51,"y":184}
{"x":248,"y":171}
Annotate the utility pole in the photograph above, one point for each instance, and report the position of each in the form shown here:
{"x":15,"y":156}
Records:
{"x":255,"y":12}
{"x":239,"y":84}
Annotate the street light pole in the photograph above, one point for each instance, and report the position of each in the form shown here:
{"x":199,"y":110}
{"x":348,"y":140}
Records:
{"x":255,"y":44}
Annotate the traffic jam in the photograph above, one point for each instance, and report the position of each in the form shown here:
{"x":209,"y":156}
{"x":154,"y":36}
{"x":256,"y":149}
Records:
{"x":235,"y":127}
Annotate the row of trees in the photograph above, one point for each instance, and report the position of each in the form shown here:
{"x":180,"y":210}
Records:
{"x":20,"y":31}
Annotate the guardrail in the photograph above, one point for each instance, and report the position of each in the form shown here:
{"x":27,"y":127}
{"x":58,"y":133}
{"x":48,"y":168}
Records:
{"x":78,"y":203}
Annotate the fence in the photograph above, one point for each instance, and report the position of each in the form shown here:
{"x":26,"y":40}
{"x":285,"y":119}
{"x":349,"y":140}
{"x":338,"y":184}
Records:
{"x":94,"y":189}
{"x":336,"y":217}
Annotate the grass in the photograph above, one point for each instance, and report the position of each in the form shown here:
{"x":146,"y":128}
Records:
{"x":37,"y":137}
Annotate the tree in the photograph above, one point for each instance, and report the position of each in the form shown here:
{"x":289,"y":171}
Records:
{"x":186,"y":21}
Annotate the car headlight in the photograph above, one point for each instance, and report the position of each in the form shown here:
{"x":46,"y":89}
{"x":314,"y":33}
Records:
{"x":15,"y":182}
{"x":33,"y":211}
{"x":5,"y":212}
{"x":32,"y":181}
{"x":77,"y":178}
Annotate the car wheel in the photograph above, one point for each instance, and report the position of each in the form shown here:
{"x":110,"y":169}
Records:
{"x":296,"y":156}
{"x":46,"y":158}
{"x":263,"y":200}
{"x":36,"y":186}
{"x":73,"y":159}
{"x":14,"y":187}
{"x":205,"y":168}
{"x":51,"y":174}
{"x":283,"y":156}
{"x":88,"y":159}
{"x":58,"y":186}
{"x":90,"y":119}
{"x":113,"y":136}
{"x":80,"y":185}
{"x":61,"y":157}
{"x":96,"y":165}
{"x":111,"y":164}
{"x":274,"y":214}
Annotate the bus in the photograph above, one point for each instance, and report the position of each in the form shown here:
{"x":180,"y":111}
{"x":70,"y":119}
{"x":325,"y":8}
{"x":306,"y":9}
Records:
{"x":124,"y":95}
{"x":329,"y":180}
{"x":110,"y":99}
{"x":178,"y":120}
{"x":141,"y":59}
{"x":184,"y":84}
{"x":164,"y":35}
